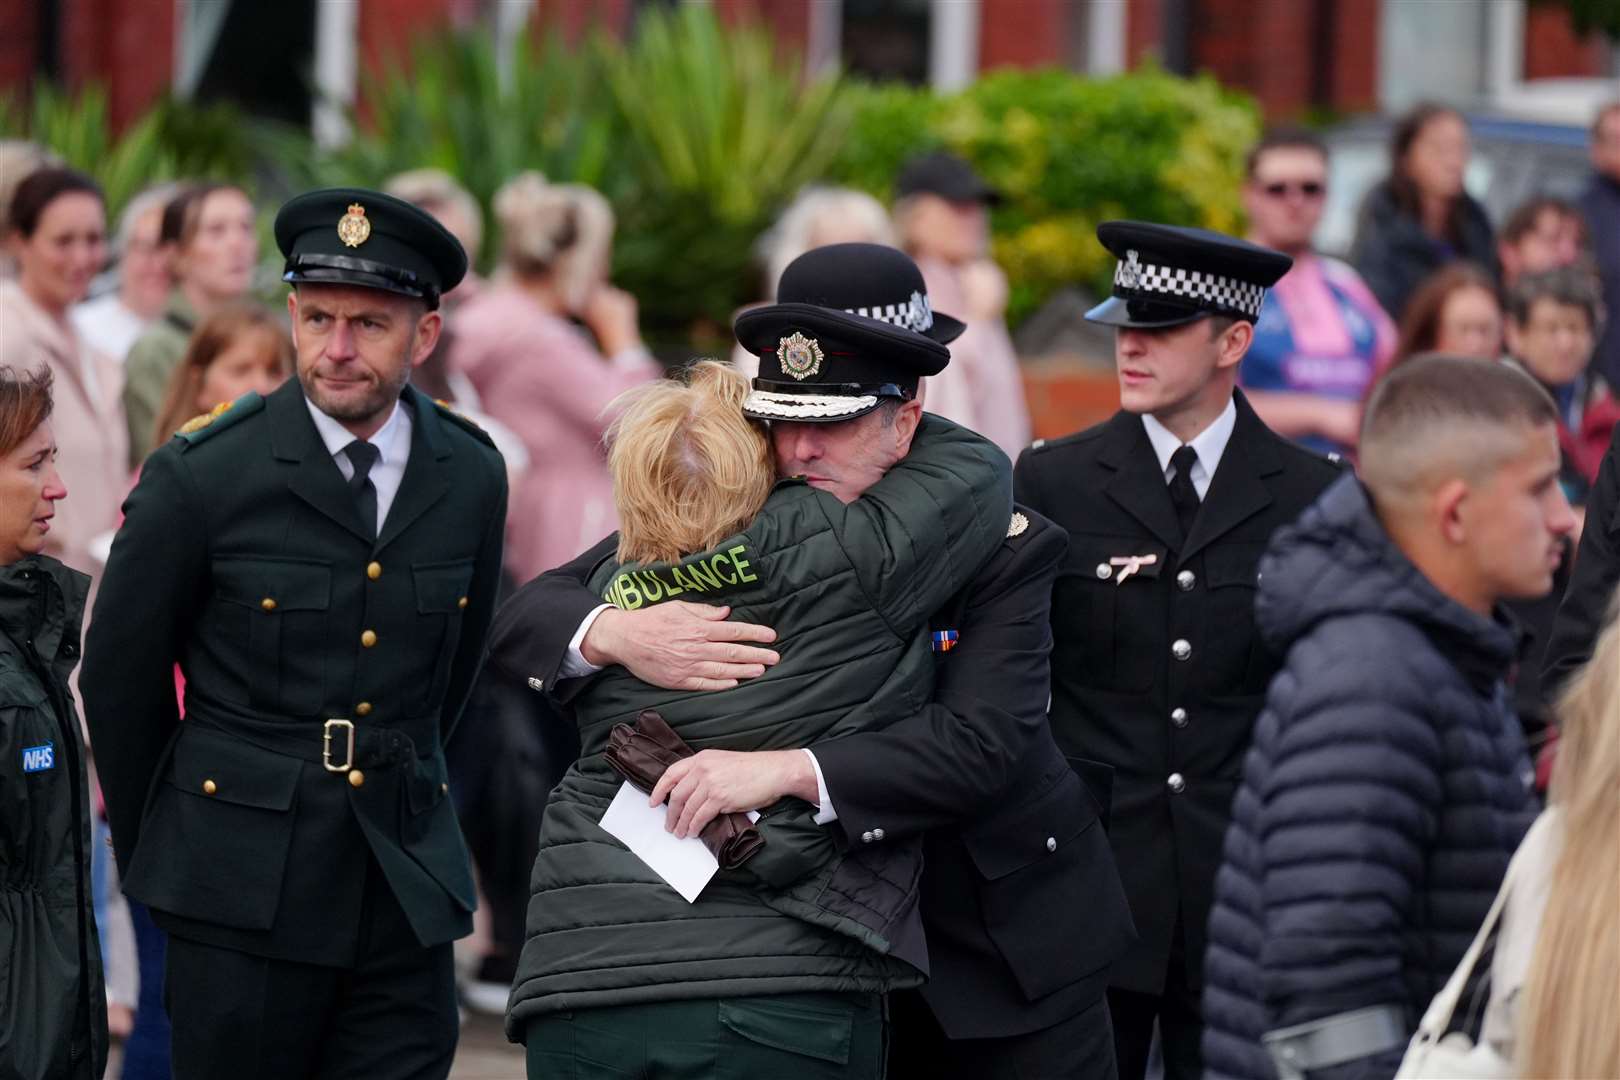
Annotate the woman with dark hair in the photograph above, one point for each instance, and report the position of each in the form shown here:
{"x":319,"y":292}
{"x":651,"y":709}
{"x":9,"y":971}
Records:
{"x":57,"y":234}
{"x":1420,"y":218}
{"x":212,"y":241}
{"x":53,"y":1009}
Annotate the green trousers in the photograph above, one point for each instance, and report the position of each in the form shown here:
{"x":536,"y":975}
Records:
{"x":775,"y":1037}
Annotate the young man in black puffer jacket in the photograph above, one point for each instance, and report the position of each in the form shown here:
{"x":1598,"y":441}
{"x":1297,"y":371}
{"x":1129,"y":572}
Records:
{"x":1387,"y":785}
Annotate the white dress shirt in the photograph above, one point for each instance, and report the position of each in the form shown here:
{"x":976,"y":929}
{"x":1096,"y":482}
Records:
{"x":393,"y":442}
{"x":575,"y":665}
{"x":1208,"y":444}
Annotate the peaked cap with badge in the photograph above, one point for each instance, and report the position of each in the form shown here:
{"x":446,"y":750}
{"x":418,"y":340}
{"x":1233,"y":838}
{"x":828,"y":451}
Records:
{"x":1169,"y":275}
{"x":351,"y":236}
{"x":852,"y":327}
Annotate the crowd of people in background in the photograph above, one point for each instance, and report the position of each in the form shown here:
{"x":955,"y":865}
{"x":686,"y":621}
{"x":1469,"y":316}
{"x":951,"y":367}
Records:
{"x":140,"y":327}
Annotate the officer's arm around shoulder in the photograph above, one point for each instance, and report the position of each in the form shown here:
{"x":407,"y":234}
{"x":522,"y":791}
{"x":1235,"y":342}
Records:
{"x":922,"y":531}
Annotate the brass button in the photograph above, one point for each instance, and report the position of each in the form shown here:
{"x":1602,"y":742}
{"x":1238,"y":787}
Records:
{"x":268,"y":604}
{"x":374,"y":570}
{"x":369,"y":638}
{"x":1181,"y":648}
{"x":356,"y":778}
{"x":462,"y":603}
{"x":363,"y":709}
{"x":1178,"y":716}
{"x":1177,"y":783}
{"x":1186,"y":580}
{"x":209,"y":787}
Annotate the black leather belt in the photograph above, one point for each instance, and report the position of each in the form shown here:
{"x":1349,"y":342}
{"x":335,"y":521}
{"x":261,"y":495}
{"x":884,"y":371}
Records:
{"x":337,"y":744}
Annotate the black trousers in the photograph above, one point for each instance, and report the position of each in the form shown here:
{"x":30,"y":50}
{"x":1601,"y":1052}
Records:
{"x":392,"y":1014}
{"x":1079,"y":1048}
{"x":1180,"y":1017}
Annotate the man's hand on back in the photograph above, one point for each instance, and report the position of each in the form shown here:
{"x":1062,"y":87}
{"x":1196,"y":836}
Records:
{"x":680,"y":646}
{"x":715,"y":782}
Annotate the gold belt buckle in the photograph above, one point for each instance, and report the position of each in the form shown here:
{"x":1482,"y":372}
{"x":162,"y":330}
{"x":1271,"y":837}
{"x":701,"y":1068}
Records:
{"x":326,"y":746}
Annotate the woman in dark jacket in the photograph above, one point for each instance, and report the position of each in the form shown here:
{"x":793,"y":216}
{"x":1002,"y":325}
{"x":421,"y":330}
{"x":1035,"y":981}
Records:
{"x":53,"y":1008}
{"x":1421,"y":218}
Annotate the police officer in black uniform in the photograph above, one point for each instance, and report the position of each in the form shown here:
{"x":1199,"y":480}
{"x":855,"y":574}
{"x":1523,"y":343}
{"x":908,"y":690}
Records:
{"x":1157,"y":672}
{"x":321,"y":564}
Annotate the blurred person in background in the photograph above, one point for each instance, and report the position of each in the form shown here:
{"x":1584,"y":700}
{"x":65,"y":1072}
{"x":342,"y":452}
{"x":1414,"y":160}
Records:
{"x":1601,"y":205}
{"x":237,"y":350}
{"x":112,"y":321}
{"x":1540,"y":235}
{"x":57,"y":234}
{"x":211,"y":240}
{"x":942,"y":212}
{"x":1552,"y":982}
{"x":1457,"y":312}
{"x":53,"y":1014}
{"x":1376,"y":816}
{"x":541,"y":375}
{"x":1321,"y":333}
{"x":1421,"y":218}
{"x":437,"y":192}
{"x":816,"y":217}
{"x":18,"y":158}
{"x":1595,"y":576}
{"x":1554,"y":319}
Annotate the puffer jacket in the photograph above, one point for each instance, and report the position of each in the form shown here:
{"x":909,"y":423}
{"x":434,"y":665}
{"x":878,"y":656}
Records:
{"x":1386,"y":788}
{"x":848,"y":589}
{"x":53,"y":1009}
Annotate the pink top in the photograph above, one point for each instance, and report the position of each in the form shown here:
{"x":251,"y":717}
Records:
{"x":540,"y":376}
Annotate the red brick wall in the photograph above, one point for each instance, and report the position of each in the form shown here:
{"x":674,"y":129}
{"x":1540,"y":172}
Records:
{"x":127,"y":45}
{"x":18,"y":45}
{"x":789,"y":20}
{"x":1024,"y":33}
{"x":1144,"y":26}
{"x":575,"y":17}
{"x":1551,"y":49}
{"x":1355,"y":62}
{"x":1264,"y":46}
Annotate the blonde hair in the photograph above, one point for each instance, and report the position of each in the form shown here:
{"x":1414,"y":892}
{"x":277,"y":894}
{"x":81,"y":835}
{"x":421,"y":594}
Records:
{"x":854,"y":215}
{"x":1567,"y":1019}
{"x":435,"y":191}
{"x":689,"y":469}
{"x":561,"y":230}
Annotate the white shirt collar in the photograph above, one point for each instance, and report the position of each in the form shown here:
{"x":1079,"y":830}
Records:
{"x":385,"y":439}
{"x":1209,"y":444}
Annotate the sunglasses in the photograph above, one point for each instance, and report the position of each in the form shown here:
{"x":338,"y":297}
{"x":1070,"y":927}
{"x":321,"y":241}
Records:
{"x":1311,"y":189}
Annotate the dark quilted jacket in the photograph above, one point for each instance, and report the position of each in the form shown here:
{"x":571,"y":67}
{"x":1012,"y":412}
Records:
{"x":849,"y":589}
{"x":1385,"y":790}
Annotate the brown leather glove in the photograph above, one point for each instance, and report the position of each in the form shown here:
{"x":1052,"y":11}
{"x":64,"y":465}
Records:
{"x":642,"y":753}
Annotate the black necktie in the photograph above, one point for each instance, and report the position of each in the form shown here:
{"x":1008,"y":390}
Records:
{"x":1183,"y":496}
{"x":362,"y":455}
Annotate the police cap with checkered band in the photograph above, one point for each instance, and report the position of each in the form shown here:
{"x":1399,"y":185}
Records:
{"x":1169,"y":275}
{"x":852,"y":328}
{"x":352,"y":236}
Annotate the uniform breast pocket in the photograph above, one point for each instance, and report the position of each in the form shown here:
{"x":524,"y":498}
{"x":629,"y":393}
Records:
{"x":1103,"y":613}
{"x":442,"y":596}
{"x":277,"y":610}
{"x":1235,"y":658}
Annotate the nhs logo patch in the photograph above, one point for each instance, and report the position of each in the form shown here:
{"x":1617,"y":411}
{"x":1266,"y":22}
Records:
{"x":39,"y":758}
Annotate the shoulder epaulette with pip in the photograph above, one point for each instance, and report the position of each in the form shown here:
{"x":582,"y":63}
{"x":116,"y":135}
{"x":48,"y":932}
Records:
{"x":209,"y":424}
{"x":448,"y":412}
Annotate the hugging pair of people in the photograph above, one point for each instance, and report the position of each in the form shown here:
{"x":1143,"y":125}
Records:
{"x":845,"y":527}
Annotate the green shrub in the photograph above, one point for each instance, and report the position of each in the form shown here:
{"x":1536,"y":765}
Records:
{"x":1067,"y":152}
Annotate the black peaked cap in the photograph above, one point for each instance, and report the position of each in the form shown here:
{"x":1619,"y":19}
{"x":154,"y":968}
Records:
{"x":352,"y":236}
{"x":1169,"y":275}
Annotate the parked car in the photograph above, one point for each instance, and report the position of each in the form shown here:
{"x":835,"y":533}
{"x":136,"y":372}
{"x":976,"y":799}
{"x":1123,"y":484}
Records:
{"x":1513,"y":161}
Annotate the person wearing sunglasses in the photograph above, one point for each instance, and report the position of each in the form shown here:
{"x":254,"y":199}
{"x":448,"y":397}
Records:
{"x":1321,"y":333}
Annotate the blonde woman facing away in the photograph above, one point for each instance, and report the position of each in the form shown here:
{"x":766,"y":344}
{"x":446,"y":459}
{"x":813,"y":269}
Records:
{"x":543,"y":377}
{"x":1555,"y":975}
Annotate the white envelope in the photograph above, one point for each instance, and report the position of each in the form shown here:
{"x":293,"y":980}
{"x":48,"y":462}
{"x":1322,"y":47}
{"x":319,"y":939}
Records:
{"x":685,"y":864}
